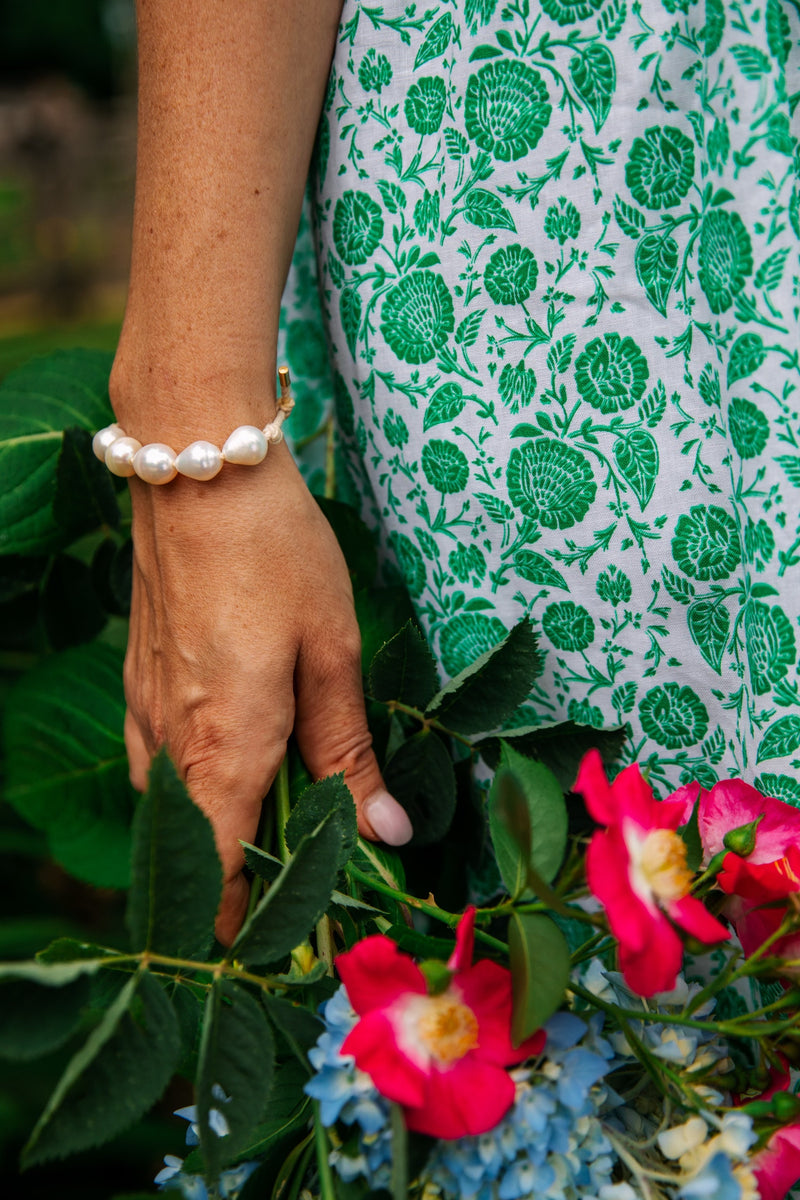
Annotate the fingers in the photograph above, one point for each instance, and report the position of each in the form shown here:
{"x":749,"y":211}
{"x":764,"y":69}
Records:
{"x":332,"y":733}
{"x":138,"y":757}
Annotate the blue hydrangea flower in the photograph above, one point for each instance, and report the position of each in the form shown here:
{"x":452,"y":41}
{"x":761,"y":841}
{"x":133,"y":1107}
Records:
{"x":716,"y":1181}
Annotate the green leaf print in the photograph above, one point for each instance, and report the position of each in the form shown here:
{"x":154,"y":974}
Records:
{"x":455,"y":143}
{"x":719,"y":144}
{"x":594,"y":77}
{"x":417,"y":316}
{"x":778,"y":32}
{"x":506,"y":108}
{"x":673,"y":716}
{"x":516,"y":385}
{"x":709,"y":624}
{"x":660,"y":167}
{"x":410,"y":562}
{"x":748,"y":427}
{"x":559,"y":356}
{"x":748,"y":353}
{"x":636,"y":456}
{"x":725,"y":258}
{"x":791,"y":465}
{"x":446,"y":403}
{"x":706,"y":544}
{"x":484,"y":210}
{"x":629,"y":219}
{"x":357,"y":227}
{"x":770,"y":273}
{"x":445,"y":467}
{"x":350,"y":313}
{"x":752,"y":62}
{"x":394,"y":198}
{"x":714,"y":26}
{"x":770,"y":644}
{"x":551,"y":482}
{"x":537,"y":569}
{"x":468,"y":330}
{"x":781,"y":739}
{"x":656,"y":262}
{"x":436,"y":41}
{"x":679,"y":588}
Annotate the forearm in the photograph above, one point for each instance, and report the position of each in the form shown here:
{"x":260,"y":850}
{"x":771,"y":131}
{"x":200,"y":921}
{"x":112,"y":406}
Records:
{"x":229,"y":98}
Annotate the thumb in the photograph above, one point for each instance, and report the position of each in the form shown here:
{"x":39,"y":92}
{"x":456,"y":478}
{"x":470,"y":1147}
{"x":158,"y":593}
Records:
{"x":332,"y":733}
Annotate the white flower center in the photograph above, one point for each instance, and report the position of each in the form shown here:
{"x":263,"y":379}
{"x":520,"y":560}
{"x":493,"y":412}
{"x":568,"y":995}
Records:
{"x":441,"y":1028}
{"x":658,"y":864}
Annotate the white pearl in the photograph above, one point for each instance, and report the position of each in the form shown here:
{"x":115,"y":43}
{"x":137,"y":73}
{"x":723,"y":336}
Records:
{"x":104,"y":438}
{"x":201,"y":460}
{"x":273,"y":433}
{"x":119,"y":455}
{"x":246,"y":446}
{"x":155,"y":463}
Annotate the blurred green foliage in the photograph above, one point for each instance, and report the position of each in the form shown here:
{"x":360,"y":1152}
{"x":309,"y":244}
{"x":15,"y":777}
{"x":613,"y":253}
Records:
{"x":64,"y":37}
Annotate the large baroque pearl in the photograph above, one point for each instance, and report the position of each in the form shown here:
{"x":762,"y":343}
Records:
{"x":120,"y":455}
{"x":155,"y":463}
{"x":105,"y":438}
{"x":201,"y":460}
{"x":246,"y":446}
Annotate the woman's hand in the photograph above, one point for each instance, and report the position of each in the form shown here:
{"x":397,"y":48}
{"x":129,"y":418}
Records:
{"x":242,"y":627}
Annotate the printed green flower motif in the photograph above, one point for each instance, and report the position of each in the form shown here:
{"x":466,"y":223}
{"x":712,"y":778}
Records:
{"x":706,"y":543}
{"x":357,"y":227}
{"x":611,"y":373}
{"x":749,"y":428}
{"x":568,"y":625}
{"x":417,"y":316}
{"x":307,"y":349}
{"x":445,"y":466}
{"x":614,"y":586}
{"x":395,"y":430}
{"x":660,"y":167}
{"x":516,"y":385}
{"x":673,"y":716}
{"x":510,"y":274}
{"x":426,"y":214}
{"x":584,"y":713}
{"x":770,"y":642}
{"x":466,"y":562}
{"x":374,"y":71}
{"x":562,"y":221}
{"x":550,"y":481}
{"x":759,"y":540}
{"x":506,"y":108}
{"x":780,"y":787}
{"x":410,"y":562}
{"x":567,"y":12}
{"x":725,"y":258}
{"x":465,"y":637}
{"x":425,"y":104}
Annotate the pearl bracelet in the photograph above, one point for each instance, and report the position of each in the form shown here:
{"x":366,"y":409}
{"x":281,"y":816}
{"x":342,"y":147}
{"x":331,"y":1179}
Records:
{"x":158,"y":463}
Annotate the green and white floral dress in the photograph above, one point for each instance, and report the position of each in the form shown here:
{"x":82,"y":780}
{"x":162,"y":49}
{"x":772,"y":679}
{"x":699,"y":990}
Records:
{"x":558,"y":258}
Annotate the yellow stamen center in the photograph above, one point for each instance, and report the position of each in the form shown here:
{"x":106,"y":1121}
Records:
{"x":663,"y":864}
{"x":448,"y":1028}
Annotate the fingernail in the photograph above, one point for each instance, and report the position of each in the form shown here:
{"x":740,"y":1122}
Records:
{"x":388,"y":818}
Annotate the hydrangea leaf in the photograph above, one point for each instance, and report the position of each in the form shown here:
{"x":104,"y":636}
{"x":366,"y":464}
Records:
{"x":176,"y":877}
{"x":119,"y":1072}
{"x":527,"y":820}
{"x":540,"y":962}
{"x":404,"y":669}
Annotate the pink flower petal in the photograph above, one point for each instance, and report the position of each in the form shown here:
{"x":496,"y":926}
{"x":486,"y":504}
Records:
{"x":655,"y":968}
{"x":486,"y":989}
{"x":373,"y":1044}
{"x":607,"y":863}
{"x":469,"y":1098}
{"x":761,"y":882}
{"x":461,"y":958}
{"x":733,"y":803}
{"x":593,"y":785}
{"x":693,"y":917}
{"x":777,"y":1167}
{"x":376,"y":973}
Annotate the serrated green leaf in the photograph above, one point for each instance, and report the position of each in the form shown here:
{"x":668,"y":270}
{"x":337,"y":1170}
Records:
{"x":656,"y":262}
{"x":37,"y":402}
{"x":559,"y":746}
{"x":326,"y":796}
{"x":484,"y":210}
{"x":237,"y":1055}
{"x":120,"y":1071}
{"x":299,"y":1027}
{"x":486,"y":693}
{"x":781,"y":739}
{"x":636,"y":456}
{"x":527,"y":820}
{"x":380,"y":861}
{"x":420,"y":777}
{"x":84,"y":496}
{"x":540,"y":962}
{"x":404,"y":669}
{"x":66,"y":767}
{"x":594,"y":77}
{"x":176,"y":876}
{"x":296,"y":900}
{"x":34,"y":1019}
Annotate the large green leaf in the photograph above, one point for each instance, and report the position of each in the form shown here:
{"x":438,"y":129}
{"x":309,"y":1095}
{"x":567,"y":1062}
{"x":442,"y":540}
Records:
{"x":527,"y":820}
{"x":122,"y":1068}
{"x":297,"y":1025}
{"x":404,"y":669}
{"x":420,"y":777}
{"x":66,"y":768}
{"x":330,"y":795}
{"x":539,"y":957}
{"x":37,"y":403}
{"x":84,"y":497}
{"x":486,"y":693}
{"x":176,"y":877}
{"x":35,"y":1020}
{"x":234,"y":1073}
{"x":560,"y":747}
{"x":296,"y":900}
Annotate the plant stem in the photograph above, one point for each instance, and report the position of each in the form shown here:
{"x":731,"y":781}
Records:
{"x":282,"y":808}
{"x":327,"y":1191}
{"x":399,"y":1181}
{"x":325,"y":943}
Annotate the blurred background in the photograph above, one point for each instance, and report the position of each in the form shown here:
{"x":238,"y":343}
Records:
{"x":67,"y":147}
